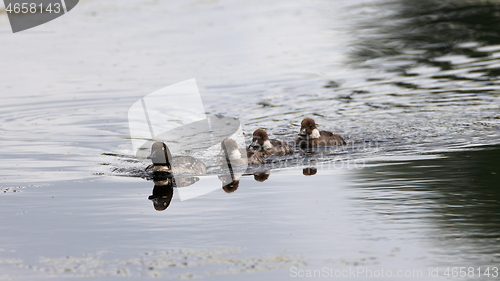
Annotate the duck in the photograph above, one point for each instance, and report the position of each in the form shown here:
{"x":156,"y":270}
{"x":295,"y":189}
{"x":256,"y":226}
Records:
{"x":310,"y":136}
{"x":164,"y":162}
{"x":262,"y":143}
{"x":234,"y":154}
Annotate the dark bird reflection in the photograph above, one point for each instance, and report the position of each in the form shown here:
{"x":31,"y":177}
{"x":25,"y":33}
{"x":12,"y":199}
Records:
{"x":261,"y":176}
{"x":165,"y":181}
{"x":310,"y":171}
{"x":163,"y":192}
{"x":229,"y":183}
{"x":168,"y":171}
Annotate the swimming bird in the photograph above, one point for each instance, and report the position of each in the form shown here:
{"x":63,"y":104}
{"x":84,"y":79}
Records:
{"x":262,"y":143}
{"x":310,"y":136}
{"x":164,"y":162}
{"x":235,"y":154}
{"x":235,"y":159}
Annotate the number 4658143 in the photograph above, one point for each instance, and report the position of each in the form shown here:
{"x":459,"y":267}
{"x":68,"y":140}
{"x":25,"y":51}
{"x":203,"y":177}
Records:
{"x":471,"y":272}
{"x":32,"y":8}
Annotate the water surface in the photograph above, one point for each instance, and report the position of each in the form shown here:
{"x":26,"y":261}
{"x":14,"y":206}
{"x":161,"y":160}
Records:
{"x":411,"y":86}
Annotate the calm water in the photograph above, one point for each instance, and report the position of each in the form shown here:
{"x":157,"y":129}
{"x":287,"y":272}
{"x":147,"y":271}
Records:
{"x":412,"y":86}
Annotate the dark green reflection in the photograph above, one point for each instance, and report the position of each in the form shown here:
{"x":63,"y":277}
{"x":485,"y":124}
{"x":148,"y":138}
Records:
{"x":419,"y":32}
{"x":459,"y":194}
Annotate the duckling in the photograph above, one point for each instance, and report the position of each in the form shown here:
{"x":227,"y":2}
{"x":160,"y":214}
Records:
{"x":164,"y":162}
{"x":234,"y":154}
{"x":262,"y":143}
{"x":310,"y":136}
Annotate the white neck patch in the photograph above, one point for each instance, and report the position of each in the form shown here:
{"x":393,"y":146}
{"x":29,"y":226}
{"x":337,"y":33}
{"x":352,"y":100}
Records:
{"x":315,"y":134}
{"x":267,"y":145}
{"x":235,"y":155}
{"x":236,"y":177}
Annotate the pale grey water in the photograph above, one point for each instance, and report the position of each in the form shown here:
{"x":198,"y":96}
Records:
{"x":417,"y":82}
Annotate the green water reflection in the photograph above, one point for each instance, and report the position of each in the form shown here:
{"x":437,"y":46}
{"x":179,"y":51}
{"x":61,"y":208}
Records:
{"x":458,"y":194}
{"x":434,"y":28}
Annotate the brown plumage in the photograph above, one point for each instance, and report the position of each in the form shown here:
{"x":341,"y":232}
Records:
{"x":310,"y":136}
{"x":261,"y":176}
{"x":231,"y":186}
{"x":262,"y":143}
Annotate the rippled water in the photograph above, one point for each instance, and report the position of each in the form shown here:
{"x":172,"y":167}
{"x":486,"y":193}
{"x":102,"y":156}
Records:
{"x":411,"y":85}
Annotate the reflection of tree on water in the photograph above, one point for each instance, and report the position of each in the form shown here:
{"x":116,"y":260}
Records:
{"x":418,"y":32}
{"x":459,"y":194}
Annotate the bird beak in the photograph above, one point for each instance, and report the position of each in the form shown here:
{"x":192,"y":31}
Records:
{"x":253,"y":145}
{"x":303,"y":132}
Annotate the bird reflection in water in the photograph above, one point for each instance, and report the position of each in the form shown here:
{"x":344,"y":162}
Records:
{"x":164,"y":180}
{"x":309,"y":171}
{"x":163,"y":190}
{"x":229,"y":183}
{"x":237,"y":166}
{"x":164,"y":184}
{"x":261,"y":176}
